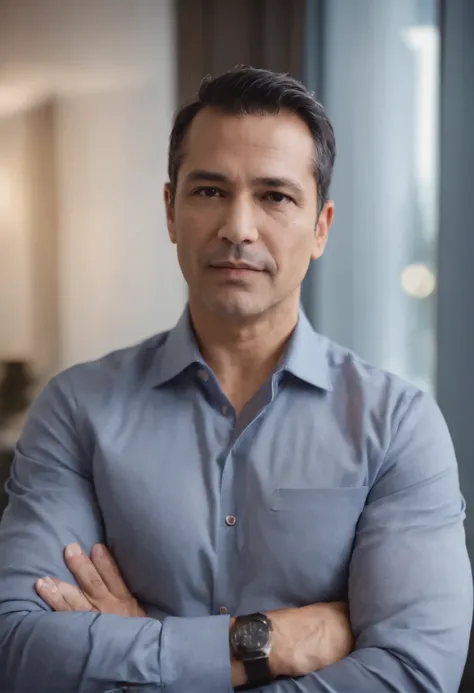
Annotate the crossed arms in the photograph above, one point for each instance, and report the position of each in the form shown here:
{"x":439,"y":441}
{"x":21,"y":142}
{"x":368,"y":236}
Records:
{"x":410,"y":587}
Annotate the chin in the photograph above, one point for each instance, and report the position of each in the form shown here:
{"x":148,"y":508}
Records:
{"x":237,"y":308}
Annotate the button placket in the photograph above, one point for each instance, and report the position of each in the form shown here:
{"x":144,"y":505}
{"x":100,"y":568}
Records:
{"x":226,"y":539}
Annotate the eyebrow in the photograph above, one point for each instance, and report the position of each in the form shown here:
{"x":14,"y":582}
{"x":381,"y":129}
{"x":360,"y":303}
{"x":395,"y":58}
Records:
{"x":209,"y":176}
{"x":287,"y":183}
{"x":268,"y":181}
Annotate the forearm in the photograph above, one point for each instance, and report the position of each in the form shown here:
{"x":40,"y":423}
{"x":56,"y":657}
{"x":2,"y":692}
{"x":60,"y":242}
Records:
{"x":85,"y":651}
{"x":370,"y":670}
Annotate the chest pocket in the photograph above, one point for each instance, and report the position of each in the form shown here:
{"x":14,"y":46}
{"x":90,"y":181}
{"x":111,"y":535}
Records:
{"x":308,"y":535}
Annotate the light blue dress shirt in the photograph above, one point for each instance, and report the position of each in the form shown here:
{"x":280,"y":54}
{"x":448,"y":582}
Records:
{"x":341,"y":479}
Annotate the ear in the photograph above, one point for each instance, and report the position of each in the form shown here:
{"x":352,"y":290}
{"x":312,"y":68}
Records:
{"x":323,"y":226}
{"x":169,"y":208}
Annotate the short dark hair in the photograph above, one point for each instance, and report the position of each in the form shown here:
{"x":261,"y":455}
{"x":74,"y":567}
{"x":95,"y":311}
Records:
{"x":246,"y":90}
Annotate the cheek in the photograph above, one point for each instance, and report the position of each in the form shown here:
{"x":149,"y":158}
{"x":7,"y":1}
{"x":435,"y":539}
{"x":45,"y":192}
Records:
{"x":193,"y":235}
{"x":188,"y":226}
{"x":291,"y":246}
{"x":193,"y":223}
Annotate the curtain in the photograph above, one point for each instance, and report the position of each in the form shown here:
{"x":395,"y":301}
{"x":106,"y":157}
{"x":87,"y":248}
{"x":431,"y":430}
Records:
{"x":215,"y":35}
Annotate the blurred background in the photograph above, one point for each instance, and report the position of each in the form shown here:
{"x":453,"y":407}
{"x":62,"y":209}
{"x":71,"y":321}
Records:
{"x":87,"y":94}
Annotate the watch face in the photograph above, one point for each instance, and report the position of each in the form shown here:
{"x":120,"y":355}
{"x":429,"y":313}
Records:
{"x":252,"y":636}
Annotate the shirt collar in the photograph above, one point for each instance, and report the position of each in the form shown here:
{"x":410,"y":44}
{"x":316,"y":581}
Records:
{"x":179,"y":351}
{"x":305,"y":357}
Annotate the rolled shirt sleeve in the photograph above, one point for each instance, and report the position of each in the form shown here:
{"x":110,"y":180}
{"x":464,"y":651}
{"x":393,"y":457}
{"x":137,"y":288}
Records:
{"x":51,"y":504}
{"x":410,"y":583}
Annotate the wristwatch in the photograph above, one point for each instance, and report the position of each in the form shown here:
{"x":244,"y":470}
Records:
{"x":251,"y":643}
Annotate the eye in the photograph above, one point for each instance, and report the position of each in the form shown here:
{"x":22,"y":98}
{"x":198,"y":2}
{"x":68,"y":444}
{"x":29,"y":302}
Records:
{"x":206,"y":191}
{"x":277,"y":197}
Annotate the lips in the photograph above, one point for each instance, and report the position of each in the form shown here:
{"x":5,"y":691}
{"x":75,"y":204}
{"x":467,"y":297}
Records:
{"x":235,"y":273}
{"x":229,"y":266}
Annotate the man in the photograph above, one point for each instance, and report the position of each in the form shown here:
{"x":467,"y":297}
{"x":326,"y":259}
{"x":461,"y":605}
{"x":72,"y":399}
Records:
{"x":248,"y":476}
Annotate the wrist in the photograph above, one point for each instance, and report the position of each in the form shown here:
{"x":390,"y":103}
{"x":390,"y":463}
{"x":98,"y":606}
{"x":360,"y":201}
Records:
{"x":278,"y":650}
{"x":237,"y":669}
{"x":293,"y":629}
{"x":237,"y":673}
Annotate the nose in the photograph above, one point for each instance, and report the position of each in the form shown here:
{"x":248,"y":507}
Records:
{"x":239,"y":225}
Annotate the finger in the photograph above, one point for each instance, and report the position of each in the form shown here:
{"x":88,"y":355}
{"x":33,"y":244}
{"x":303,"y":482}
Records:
{"x":73,"y":596}
{"x":85,"y":573}
{"x":109,"y":571}
{"x":49,"y":593}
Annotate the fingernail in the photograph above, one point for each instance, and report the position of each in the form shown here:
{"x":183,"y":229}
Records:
{"x":47,"y":584}
{"x":99,"y":550}
{"x":73,"y":550}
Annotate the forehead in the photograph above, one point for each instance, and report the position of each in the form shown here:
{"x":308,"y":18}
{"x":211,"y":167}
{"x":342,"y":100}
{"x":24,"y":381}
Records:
{"x":262,"y":144}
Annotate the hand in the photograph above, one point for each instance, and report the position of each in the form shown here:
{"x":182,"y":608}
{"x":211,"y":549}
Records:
{"x":310,"y":638}
{"x":101,"y":587}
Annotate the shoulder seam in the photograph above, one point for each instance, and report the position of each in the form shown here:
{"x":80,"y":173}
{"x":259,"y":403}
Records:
{"x":415,"y":396}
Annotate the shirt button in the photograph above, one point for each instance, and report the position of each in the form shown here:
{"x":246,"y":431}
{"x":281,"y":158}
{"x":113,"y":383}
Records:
{"x":230,"y":520}
{"x":225,"y":409}
{"x":203,"y":375}
{"x":223,"y":610}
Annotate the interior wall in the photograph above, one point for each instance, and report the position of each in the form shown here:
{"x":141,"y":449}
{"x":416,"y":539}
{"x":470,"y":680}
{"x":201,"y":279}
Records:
{"x":119,"y":276}
{"x":110,"y":66}
{"x":44,"y":239}
{"x":16,"y":288}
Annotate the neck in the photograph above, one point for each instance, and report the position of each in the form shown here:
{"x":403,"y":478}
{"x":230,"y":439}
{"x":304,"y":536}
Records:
{"x":243,"y":354}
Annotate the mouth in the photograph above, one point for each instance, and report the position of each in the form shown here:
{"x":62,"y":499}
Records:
{"x":236,"y":266}
{"x":236,"y":271}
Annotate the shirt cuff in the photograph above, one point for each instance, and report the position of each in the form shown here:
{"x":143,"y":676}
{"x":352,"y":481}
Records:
{"x":195,"y":654}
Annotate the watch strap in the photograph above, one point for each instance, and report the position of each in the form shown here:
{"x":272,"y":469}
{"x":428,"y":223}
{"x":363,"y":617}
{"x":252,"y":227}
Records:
{"x":258,"y":671}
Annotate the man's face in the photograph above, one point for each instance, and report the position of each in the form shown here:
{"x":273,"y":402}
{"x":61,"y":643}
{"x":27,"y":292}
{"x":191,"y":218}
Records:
{"x":245,"y":212}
